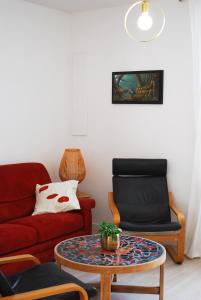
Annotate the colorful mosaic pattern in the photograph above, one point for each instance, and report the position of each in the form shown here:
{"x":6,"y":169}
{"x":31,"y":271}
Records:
{"x":132,"y":251}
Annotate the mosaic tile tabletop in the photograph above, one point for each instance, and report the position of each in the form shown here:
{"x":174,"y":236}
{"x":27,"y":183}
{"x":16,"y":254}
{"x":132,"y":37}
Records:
{"x":87,"y":250}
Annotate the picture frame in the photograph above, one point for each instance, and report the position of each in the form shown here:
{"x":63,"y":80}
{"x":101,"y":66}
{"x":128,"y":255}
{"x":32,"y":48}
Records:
{"x":137,"y":87}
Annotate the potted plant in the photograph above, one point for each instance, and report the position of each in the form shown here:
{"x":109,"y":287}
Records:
{"x":110,"y":239}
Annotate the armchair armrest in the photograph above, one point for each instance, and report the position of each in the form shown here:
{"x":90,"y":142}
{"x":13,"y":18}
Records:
{"x":180,"y":216}
{"x":19,"y":258}
{"x":50,"y":291}
{"x":114,"y":209}
{"x":87,"y":203}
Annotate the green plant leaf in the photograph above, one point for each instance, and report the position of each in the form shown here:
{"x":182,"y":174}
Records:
{"x":109,"y":229}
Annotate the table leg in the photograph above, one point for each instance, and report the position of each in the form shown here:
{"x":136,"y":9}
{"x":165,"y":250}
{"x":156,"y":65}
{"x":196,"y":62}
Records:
{"x":105,"y":287}
{"x":161,"y":282}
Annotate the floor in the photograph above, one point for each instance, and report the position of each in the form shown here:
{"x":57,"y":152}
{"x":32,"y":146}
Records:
{"x":182,"y":282}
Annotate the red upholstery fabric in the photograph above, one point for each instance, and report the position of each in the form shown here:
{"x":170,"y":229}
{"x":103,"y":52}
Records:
{"x":44,"y":251}
{"x":20,"y":208}
{"x":87,"y":219}
{"x":14,"y":237}
{"x":87,"y":203}
{"x":50,"y":226}
{"x":17,"y":184}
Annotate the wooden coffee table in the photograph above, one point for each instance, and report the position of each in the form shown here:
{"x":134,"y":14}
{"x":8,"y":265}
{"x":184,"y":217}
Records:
{"x":135,"y":254}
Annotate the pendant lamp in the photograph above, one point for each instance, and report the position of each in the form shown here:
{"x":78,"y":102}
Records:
{"x":144,"y":20}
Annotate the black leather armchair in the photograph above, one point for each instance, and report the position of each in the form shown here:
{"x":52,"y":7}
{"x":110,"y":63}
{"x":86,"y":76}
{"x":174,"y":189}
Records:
{"x":43,"y":281}
{"x":140,"y":202}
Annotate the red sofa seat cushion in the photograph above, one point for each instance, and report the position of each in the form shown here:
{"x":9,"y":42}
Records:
{"x":14,"y":237}
{"x":50,"y":226}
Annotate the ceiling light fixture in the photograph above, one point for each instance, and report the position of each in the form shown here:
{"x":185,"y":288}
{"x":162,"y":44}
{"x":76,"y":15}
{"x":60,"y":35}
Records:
{"x":144,"y":21}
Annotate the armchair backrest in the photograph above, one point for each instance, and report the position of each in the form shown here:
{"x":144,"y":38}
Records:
{"x":140,"y":190}
{"x":17,"y":188}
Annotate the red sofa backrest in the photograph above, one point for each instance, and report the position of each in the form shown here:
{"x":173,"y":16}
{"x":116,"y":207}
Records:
{"x":17,"y":188}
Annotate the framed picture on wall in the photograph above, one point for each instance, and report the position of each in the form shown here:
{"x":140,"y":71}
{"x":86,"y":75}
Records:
{"x":137,"y":87}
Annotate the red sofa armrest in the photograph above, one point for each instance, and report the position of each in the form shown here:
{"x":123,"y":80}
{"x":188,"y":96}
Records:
{"x":87,"y":203}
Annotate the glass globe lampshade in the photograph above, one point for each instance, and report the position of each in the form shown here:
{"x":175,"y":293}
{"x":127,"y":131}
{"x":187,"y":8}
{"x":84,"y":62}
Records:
{"x":144,"y":21}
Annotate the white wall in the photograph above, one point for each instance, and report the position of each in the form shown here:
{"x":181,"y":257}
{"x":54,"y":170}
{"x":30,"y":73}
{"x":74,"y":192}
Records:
{"x":35,"y":74}
{"x":34,"y":83}
{"x":143,"y":131}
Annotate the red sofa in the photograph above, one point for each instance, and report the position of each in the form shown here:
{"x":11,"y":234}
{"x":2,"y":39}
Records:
{"x":20,"y":232}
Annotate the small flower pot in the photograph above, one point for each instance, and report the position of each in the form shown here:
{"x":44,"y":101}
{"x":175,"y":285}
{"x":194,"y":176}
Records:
{"x":110,"y":244}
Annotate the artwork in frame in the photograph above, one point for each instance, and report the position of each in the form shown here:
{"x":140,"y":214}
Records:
{"x":137,"y":87}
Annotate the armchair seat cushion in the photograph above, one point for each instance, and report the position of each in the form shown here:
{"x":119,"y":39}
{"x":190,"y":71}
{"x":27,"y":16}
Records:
{"x":16,"y":236}
{"x":139,"y":227}
{"x":47,"y":275}
{"x":52,"y":225}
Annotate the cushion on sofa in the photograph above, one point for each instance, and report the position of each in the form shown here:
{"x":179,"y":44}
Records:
{"x":20,"y":208}
{"x":56,"y":197}
{"x":18,"y":182}
{"x":15,"y":236}
{"x":50,"y":226}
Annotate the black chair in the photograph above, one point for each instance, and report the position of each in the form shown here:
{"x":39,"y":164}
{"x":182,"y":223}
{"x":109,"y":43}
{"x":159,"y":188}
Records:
{"x":43,"y":281}
{"x":140,"y":202}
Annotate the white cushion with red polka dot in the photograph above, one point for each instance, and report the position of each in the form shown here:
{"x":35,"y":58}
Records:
{"x":56,"y":197}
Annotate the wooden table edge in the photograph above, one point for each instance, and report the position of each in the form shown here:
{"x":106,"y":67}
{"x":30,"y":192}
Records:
{"x":111,"y":269}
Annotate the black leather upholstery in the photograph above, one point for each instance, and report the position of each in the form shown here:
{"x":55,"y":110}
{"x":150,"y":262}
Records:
{"x":47,"y":275}
{"x":142,"y":199}
{"x":5,"y":287}
{"x":159,"y":227}
{"x":136,"y":166}
{"x":141,"y":194}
